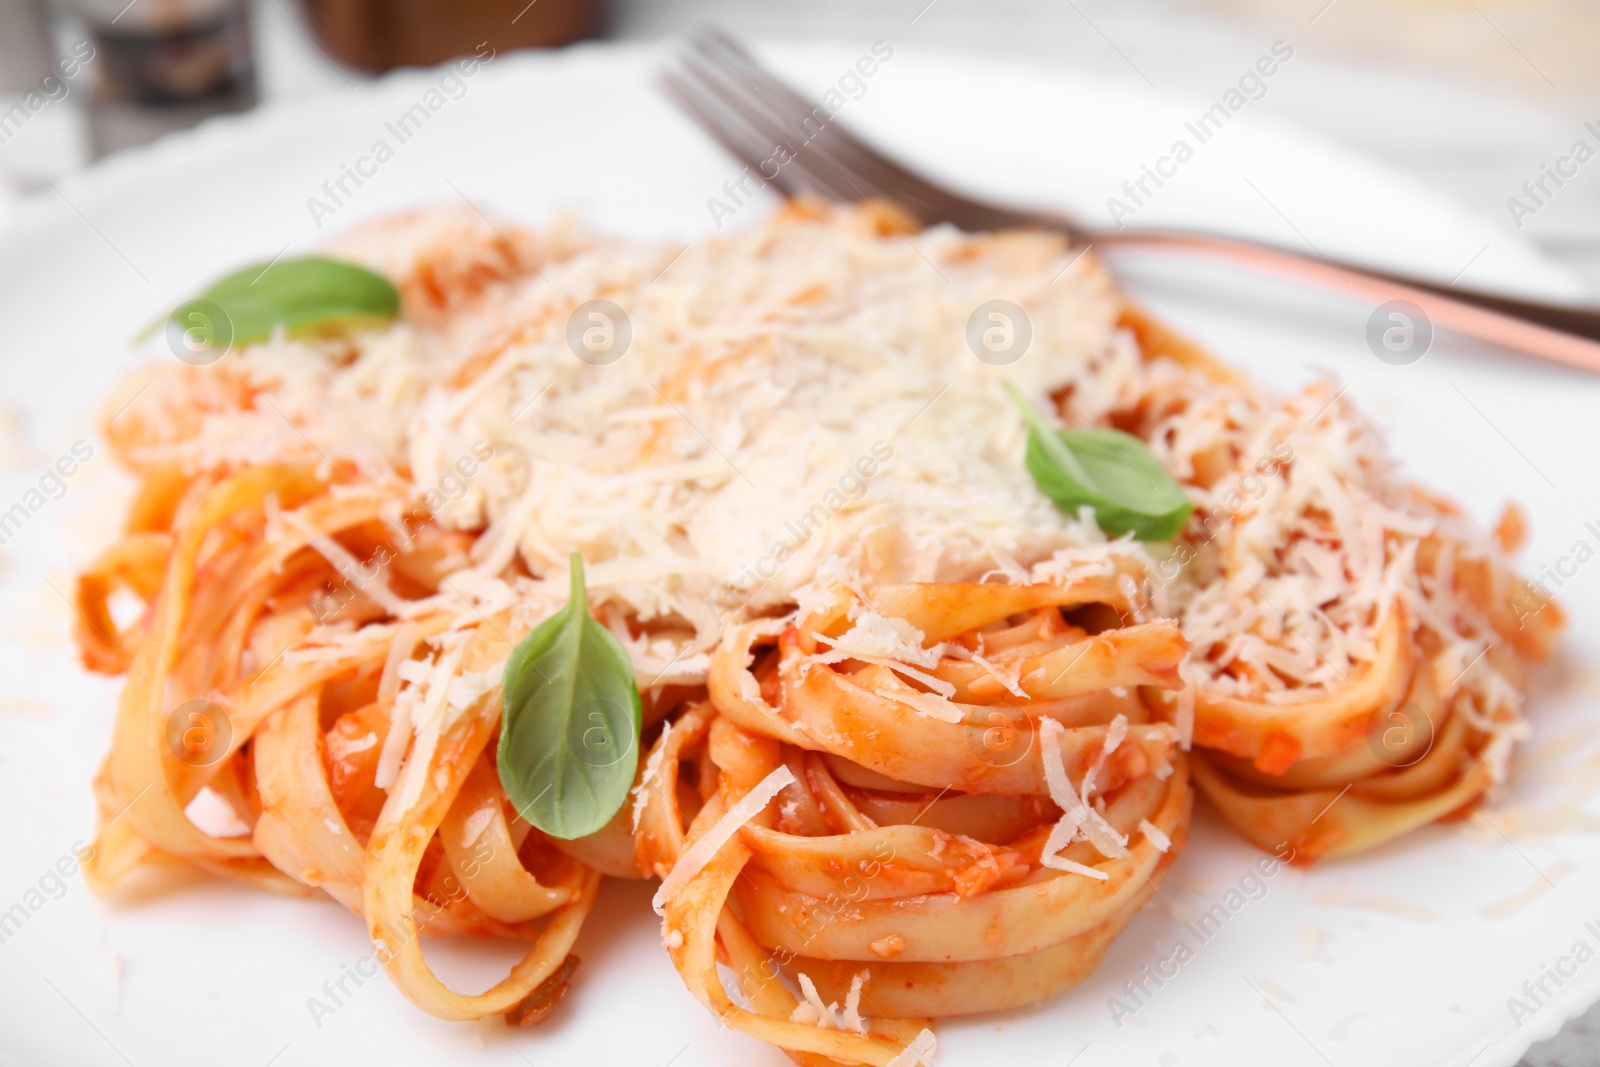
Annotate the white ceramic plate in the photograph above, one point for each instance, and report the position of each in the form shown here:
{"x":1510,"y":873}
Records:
{"x":1406,"y":956}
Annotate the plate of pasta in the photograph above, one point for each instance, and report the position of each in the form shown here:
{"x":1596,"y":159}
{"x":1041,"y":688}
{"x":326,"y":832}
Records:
{"x":532,"y":596}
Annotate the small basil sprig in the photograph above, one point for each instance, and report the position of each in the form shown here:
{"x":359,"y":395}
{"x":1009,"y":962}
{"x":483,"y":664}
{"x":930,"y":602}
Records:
{"x":302,"y":294}
{"x":1108,"y":470}
{"x":569,"y":737}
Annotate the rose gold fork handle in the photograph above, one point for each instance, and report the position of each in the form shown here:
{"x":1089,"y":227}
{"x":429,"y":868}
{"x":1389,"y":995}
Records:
{"x":1507,"y":328}
{"x":837,"y":165}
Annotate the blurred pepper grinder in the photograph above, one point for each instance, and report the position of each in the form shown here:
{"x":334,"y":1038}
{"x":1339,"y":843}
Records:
{"x":162,"y":65}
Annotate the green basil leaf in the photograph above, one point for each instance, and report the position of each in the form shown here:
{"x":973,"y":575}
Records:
{"x":569,"y":736}
{"x":1111,"y":471}
{"x":303,"y":294}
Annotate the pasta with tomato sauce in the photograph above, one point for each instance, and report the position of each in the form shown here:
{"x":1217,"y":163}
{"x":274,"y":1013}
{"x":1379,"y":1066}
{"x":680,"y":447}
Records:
{"x":914,"y":742}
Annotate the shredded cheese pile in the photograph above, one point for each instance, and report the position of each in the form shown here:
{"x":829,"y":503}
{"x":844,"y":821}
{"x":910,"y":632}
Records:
{"x":803,"y":392}
{"x":789,"y":394}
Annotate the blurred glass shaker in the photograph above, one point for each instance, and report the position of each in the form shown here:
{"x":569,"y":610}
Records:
{"x":162,"y":65}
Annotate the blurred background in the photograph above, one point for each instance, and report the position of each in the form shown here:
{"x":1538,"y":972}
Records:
{"x":1495,"y":103}
{"x":1474,"y":97}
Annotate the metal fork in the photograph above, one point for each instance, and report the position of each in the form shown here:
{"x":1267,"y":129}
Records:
{"x":759,"y":120}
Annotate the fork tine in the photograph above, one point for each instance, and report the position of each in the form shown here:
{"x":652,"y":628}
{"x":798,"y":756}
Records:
{"x":750,"y":112}
{"x":758,"y":143}
{"x":813,"y":126}
{"x":797,"y":108}
{"x":869,"y":170}
{"x":761,"y":134}
{"x":811,"y":164}
{"x":734,"y":137}
{"x":773,"y":132}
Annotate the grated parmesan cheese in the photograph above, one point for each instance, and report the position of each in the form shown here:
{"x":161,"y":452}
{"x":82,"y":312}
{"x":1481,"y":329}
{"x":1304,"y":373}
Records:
{"x":919,"y":1053}
{"x":1076,"y":816}
{"x":850,"y":1018}
{"x":349,"y":568}
{"x":475,"y":825}
{"x":742,"y":440}
{"x":812,"y":1011}
{"x":1115,"y":733}
{"x":1152,"y":833}
{"x":652,"y":771}
{"x":705,"y":848}
{"x":424,"y":700}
